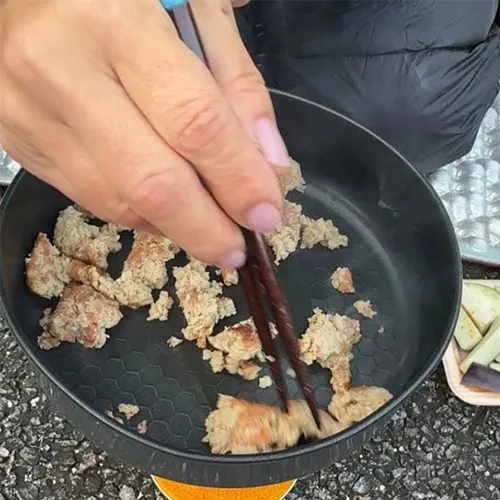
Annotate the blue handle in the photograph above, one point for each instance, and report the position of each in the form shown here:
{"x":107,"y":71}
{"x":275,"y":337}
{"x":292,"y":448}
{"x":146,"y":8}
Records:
{"x":170,"y":4}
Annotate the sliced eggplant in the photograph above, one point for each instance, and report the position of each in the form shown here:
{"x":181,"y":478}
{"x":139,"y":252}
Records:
{"x":482,"y":377}
{"x":495,"y":366}
{"x":482,"y":304}
{"x":486,"y":351}
{"x":466,"y":333}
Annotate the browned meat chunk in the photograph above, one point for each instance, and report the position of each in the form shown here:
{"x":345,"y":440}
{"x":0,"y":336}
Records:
{"x":342,"y":280}
{"x":358,"y":403}
{"x":200,"y":300}
{"x":329,"y":340}
{"x":160,"y":309}
{"x":82,"y":315}
{"x":365,"y":308}
{"x":242,"y":427}
{"x":46,"y":269}
{"x":74,"y":237}
{"x":321,"y":232}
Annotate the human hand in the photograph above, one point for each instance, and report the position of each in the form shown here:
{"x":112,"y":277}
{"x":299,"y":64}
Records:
{"x":103,"y":101}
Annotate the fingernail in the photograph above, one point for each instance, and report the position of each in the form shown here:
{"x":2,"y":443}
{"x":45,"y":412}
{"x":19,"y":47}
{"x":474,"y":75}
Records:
{"x":272,"y":144}
{"x":233,"y":260}
{"x":263,"y":218}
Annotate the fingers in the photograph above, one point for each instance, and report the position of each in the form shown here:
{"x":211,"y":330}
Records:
{"x":184,"y":104}
{"x":152,"y":179}
{"x":239,"y":79}
{"x":27,"y":130}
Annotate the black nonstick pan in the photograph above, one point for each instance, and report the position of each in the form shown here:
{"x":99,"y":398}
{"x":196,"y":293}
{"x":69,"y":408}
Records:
{"x":404,"y":258}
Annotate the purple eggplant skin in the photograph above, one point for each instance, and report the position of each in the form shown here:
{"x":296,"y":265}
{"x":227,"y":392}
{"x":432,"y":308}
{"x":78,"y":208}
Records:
{"x":482,"y":377}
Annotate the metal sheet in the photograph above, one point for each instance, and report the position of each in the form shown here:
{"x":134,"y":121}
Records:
{"x":470,"y":190}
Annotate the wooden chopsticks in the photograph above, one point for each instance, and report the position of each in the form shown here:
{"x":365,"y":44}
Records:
{"x":258,"y":278}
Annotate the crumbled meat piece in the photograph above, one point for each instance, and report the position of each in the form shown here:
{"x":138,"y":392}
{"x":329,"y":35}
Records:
{"x":147,"y":258}
{"x":142,"y":427}
{"x":242,"y":427}
{"x":144,"y":269}
{"x":248,"y":370}
{"x":82,"y":315}
{"x":174,"y":342}
{"x":127,"y":410}
{"x":327,"y":335}
{"x":291,"y":178}
{"x":342,"y":280}
{"x":284,"y":240}
{"x":200,"y":300}
{"x":291,"y":373}
{"x":133,"y":294}
{"x":47,"y":272}
{"x":340,"y":367}
{"x":46,"y":269}
{"x":225,"y":307}
{"x":74,"y":237}
{"x":229,"y":276}
{"x":240,"y":341}
{"x":358,"y":403}
{"x":381,"y":330}
{"x":329,"y":340}
{"x":92,"y":276}
{"x":322,"y":232}
{"x":216,"y":359}
{"x":365,"y":308}
{"x":159,"y":310}
{"x":111,"y":415}
{"x":265,"y":382}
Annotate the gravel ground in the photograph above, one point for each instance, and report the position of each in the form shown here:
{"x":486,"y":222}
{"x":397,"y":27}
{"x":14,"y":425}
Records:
{"x":435,"y":448}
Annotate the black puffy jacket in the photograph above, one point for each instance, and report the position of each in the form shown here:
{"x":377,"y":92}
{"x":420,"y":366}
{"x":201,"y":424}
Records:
{"x":420,"y":73}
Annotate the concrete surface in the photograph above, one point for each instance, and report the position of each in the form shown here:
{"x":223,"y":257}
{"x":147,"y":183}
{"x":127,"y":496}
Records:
{"x":434,"y":448}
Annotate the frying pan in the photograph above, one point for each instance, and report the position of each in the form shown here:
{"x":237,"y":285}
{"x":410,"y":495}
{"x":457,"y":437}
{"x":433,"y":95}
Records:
{"x":404,"y":258}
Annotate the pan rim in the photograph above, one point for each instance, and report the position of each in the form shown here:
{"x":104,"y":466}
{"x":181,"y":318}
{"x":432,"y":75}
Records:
{"x":299,"y":451}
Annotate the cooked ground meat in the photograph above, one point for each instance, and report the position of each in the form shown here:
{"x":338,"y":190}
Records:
{"x":358,"y":403}
{"x":112,"y":416}
{"x":174,"y":342}
{"x":328,"y":334}
{"x":242,"y":427}
{"x":329,"y":340}
{"x":142,"y":427}
{"x":240,"y":341}
{"x":82,"y":315}
{"x":229,"y":277}
{"x":284,"y":240}
{"x":365,"y":308}
{"x":321,"y":232}
{"x":128,"y":410}
{"x":159,"y":310}
{"x":147,"y":258}
{"x":342,"y":280}
{"x":74,"y":237}
{"x":46,"y":273}
{"x":200,"y":300}
{"x":291,"y":179}
{"x":265,"y":382}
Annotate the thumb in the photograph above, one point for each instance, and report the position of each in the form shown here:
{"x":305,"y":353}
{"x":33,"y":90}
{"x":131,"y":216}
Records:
{"x":239,"y":79}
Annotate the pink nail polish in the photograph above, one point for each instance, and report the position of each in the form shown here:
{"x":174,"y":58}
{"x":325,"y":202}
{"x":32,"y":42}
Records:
{"x":271,"y":142}
{"x":263,"y":218}
{"x":233,"y":260}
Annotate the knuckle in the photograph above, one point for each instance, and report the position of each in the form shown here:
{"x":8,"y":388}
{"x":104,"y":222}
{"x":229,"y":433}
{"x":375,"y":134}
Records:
{"x":199,"y":124}
{"x":154,"y":193}
{"x":247,"y":81}
{"x":23,"y":52}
